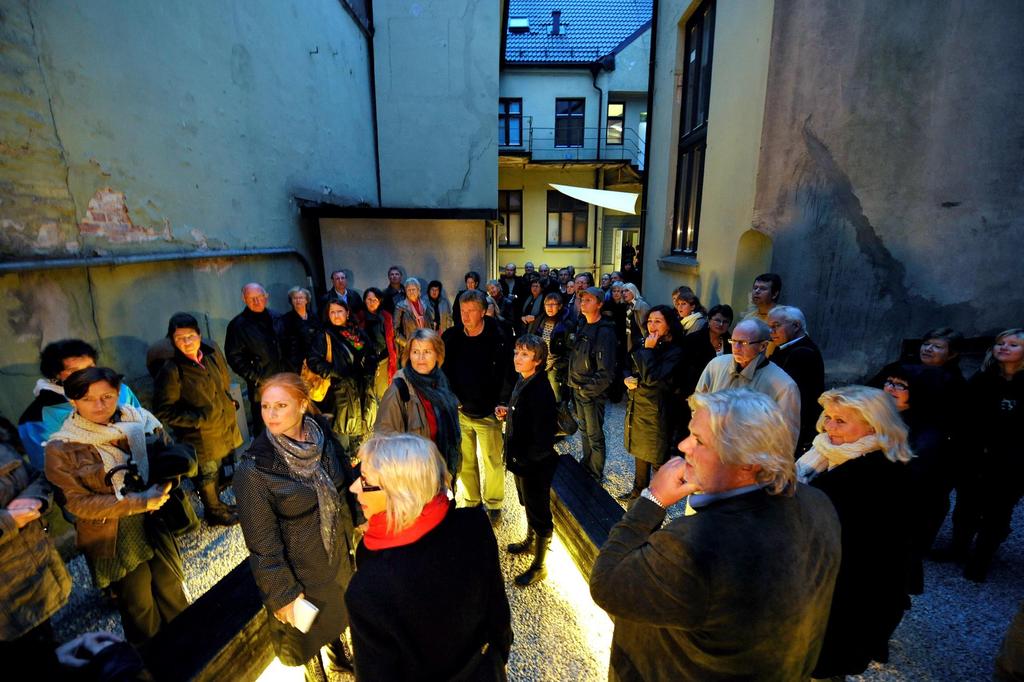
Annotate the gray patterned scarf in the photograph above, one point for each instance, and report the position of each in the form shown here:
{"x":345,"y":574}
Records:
{"x":303,"y":459}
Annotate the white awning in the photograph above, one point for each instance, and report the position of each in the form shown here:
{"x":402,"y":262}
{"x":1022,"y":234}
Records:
{"x":617,"y":201}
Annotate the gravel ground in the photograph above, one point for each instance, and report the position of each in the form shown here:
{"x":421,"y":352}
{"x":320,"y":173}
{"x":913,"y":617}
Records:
{"x":952,"y":632}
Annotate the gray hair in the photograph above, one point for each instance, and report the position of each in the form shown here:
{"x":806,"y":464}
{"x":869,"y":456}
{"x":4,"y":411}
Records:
{"x":748,"y":429}
{"x":411,"y":473}
{"x":788,"y":313}
{"x":300,"y":290}
{"x":631,"y":288}
{"x":412,"y":281}
{"x":878,"y":411}
{"x":763,"y":332}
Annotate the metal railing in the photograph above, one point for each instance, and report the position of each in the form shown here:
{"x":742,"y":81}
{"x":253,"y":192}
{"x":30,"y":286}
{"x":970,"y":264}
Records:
{"x":542,"y":144}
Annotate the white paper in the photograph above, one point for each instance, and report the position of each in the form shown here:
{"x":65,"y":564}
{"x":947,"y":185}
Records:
{"x":305,"y":614}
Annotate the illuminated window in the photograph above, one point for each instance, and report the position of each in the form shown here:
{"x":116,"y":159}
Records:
{"x":616,"y":122}
{"x":693,"y":128}
{"x":569,"y":122}
{"x":567,"y":220}
{"x":510,"y":210}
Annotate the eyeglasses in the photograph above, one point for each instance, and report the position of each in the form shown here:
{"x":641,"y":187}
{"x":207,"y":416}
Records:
{"x":186,"y":338}
{"x":740,"y":343}
{"x":898,"y":385}
{"x":366,"y":487}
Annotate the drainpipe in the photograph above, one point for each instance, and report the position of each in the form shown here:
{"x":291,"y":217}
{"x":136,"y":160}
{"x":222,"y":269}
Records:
{"x":595,"y":69}
{"x":135,"y":259}
{"x":367,"y":31}
{"x":647,"y":140}
{"x":598,"y":215}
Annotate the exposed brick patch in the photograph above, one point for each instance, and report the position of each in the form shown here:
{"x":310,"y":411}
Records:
{"x":107,"y":216}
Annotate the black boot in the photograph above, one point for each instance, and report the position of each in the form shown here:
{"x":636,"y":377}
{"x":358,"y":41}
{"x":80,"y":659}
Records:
{"x":525,"y":546}
{"x":215,"y":512}
{"x":980,"y":560}
{"x":537,"y":570}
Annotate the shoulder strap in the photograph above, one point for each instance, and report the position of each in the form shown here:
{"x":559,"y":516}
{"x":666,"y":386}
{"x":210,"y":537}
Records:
{"x":403,"y":389}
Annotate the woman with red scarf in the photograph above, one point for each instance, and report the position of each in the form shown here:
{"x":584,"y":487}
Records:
{"x":428,"y":600}
{"x":339,"y":354}
{"x":410,"y":314}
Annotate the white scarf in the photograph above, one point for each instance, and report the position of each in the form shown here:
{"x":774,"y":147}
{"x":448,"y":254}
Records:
{"x":690,"y":320}
{"x":47,"y":385}
{"x":823,"y":455}
{"x":135,"y":424}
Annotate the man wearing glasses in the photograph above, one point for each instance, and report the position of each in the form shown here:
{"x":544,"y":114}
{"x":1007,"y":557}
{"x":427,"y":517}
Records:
{"x":747,"y":367}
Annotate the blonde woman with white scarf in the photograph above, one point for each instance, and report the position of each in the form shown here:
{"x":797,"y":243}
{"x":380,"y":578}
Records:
{"x":139,"y":561}
{"x":858,"y":459}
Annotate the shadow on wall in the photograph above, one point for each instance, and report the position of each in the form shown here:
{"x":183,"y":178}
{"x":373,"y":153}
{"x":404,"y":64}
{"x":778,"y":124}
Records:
{"x":753,"y":257}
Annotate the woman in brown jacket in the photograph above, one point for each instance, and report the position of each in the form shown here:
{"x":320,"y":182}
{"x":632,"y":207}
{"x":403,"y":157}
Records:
{"x":93,"y":460}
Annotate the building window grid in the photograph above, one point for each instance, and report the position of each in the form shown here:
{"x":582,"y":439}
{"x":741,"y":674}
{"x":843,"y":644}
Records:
{"x":510,"y":210}
{"x":569,"y":119}
{"x":568,"y":221}
{"x":616,"y":123}
{"x":693,"y":127}
{"x":510,"y":122}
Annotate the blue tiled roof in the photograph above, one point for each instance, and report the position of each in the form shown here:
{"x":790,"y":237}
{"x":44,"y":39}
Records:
{"x":590,"y":29}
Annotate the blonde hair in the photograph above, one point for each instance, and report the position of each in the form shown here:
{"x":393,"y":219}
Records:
{"x":429,"y":335}
{"x":990,"y":364}
{"x":410,"y":471}
{"x":292,"y":384}
{"x":747,"y":428}
{"x":878,"y":411}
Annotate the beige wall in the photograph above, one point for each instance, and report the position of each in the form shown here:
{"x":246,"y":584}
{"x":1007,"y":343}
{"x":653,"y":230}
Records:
{"x":534,"y":184}
{"x":428,"y":249}
{"x":738,"y":82}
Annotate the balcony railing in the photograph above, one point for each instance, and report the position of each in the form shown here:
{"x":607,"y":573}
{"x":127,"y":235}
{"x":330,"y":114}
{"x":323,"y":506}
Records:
{"x":540,"y":144}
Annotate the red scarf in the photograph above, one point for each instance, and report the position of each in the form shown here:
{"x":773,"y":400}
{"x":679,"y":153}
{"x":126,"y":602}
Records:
{"x":389,"y":340}
{"x":377,"y":535}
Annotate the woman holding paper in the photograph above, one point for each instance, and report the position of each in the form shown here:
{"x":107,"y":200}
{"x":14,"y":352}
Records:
{"x":298,"y":518}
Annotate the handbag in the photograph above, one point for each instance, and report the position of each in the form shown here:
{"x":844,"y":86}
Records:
{"x":567,"y":425}
{"x":318,"y":385}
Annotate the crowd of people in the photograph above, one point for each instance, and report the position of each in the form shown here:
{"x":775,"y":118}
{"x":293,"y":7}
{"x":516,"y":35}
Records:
{"x":384,"y":423}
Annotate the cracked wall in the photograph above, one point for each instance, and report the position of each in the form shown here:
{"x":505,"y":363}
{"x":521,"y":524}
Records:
{"x":890,"y":170}
{"x":151,"y":127}
{"x":436,"y":67}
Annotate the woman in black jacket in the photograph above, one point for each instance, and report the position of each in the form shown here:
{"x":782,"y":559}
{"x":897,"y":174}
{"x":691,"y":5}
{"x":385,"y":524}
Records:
{"x":530,"y":426}
{"x":339,"y":354}
{"x":428,"y":601}
{"x":191,"y":395}
{"x":859,"y":460}
{"x":655,"y":407}
{"x":298,"y":520}
{"x":993,"y":479}
{"x":300,"y":326}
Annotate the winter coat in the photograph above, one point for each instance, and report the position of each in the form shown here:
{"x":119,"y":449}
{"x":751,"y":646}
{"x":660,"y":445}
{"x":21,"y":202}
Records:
{"x":739,"y":590}
{"x":253,"y":346}
{"x":280,"y":522}
{"x":405,"y":322}
{"x":35,"y":583}
{"x":592,"y":359}
{"x":348,"y":374}
{"x":531,"y":425}
{"x":402,"y":416}
{"x":194,"y":400}
{"x":802,"y":361}
{"x":423,"y":611}
{"x":297,"y":336}
{"x":654,"y":410}
{"x":439,"y":319}
{"x":870,"y":494}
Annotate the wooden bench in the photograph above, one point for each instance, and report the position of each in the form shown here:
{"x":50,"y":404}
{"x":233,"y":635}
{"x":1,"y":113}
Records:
{"x":584,"y":512}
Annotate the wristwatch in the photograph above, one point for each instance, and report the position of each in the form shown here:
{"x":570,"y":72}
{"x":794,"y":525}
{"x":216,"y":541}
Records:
{"x":648,"y":495}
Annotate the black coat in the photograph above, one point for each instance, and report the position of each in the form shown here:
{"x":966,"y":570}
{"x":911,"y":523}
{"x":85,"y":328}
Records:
{"x":253,"y":346}
{"x":592,"y":359}
{"x":195,"y":402}
{"x":348,"y":374}
{"x":802,"y":361}
{"x":355,"y":302}
{"x":479,"y":368}
{"x":870,"y":495}
{"x":422,"y":611}
{"x":531,"y":424}
{"x":654,"y":412}
{"x":281,"y":525}
{"x":297,"y":336}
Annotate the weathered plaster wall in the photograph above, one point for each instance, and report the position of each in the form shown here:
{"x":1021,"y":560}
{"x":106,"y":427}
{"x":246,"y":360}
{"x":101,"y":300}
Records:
{"x":738,"y":79}
{"x":436,"y":64}
{"x":146,"y":126}
{"x":890,"y":172}
{"x":428,"y":249}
